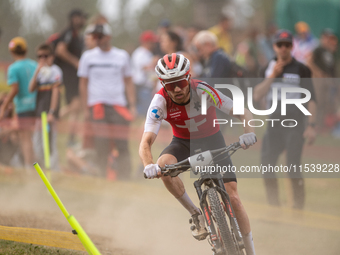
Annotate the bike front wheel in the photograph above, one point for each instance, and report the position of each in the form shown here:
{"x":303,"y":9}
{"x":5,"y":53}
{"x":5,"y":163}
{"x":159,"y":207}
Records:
{"x":220,"y":221}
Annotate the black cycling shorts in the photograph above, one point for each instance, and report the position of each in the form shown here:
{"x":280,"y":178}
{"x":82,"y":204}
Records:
{"x":184,"y":148}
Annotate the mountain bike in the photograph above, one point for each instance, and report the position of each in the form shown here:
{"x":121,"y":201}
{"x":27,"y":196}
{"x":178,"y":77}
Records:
{"x":223,"y":230}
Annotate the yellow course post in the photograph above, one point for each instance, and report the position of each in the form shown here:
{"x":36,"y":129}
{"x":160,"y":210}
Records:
{"x":46,"y":142}
{"x":83,"y":237}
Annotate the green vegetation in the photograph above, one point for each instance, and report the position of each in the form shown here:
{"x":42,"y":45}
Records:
{"x":14,"y":248}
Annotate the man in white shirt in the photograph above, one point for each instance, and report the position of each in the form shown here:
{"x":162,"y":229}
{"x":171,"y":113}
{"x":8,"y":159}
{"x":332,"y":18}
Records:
{"x":143,"y":63}
{"x":108,"y":96}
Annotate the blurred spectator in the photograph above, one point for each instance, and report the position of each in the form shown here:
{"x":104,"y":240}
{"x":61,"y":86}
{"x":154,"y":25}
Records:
{"x":323,"y":57}
{"x":191,"y":31}
{"x":105,"y":78}
{"x":222,"y":32}
{"x":322,"y":63}
{"x":8,"y":136}
{"x":89,"y":41}
{"x":216,"y":62}
{"x":46,"y":80}
{"x":18,"y":77}
{"x":266,"y":42}
{"x":304,"y":42}
{"x":285,"y":71}
{"x":171,"y":42}
{"x":249,"y":53}
{"x":143,"y":65}
{"x":189,"y":47}
{"x":80,"y":160}
{"x":163,"y":27}
{"x":68,"y":50}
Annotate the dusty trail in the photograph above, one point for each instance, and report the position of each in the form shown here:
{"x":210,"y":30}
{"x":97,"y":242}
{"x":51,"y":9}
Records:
{"x":141,"y":217}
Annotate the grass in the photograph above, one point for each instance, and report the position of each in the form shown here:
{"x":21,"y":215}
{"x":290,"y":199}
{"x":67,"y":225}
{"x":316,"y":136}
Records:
{"x":15,"y":248}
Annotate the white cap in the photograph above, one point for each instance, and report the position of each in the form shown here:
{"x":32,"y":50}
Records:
{"x":89,"y":29}
{"x":104,"y":29}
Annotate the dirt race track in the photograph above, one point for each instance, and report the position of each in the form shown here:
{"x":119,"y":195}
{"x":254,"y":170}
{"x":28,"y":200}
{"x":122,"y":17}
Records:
{"x":141,"y":217}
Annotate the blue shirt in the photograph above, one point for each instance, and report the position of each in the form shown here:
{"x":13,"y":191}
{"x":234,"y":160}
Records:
{"x":218,"y":66}
{"x":21,"y":72}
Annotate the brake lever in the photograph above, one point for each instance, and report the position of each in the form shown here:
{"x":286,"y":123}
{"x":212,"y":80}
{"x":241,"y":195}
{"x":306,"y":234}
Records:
{"x":172,"y":172}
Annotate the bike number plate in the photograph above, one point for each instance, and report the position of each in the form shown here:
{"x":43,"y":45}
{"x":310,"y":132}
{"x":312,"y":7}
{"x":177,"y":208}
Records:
{"x":200,"y":160}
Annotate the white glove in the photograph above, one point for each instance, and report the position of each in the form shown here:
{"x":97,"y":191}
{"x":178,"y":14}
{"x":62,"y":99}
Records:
{"x":248,"y":139}
{"x":152,"y":170}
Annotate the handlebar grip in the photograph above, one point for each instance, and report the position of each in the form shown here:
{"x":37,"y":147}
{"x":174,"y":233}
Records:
{"x":162,"y":170}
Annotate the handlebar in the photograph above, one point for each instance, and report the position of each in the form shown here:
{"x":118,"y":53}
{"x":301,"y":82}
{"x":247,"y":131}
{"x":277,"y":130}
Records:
{"x":184,"y":165}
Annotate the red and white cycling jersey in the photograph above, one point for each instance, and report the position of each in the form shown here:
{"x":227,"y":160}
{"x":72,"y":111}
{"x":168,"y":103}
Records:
{"x":186,"y":120}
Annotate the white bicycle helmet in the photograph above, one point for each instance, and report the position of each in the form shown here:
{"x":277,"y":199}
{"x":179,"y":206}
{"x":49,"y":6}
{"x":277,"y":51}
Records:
{"x":172,"y":66}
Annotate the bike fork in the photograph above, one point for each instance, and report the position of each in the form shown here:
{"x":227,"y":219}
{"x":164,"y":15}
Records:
{"x":230,"y":211}
{"x":208,"y":217}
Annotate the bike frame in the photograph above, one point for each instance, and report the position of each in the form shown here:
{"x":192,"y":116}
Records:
{"x":212,"y":181}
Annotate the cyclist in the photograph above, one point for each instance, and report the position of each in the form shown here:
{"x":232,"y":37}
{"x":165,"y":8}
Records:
{"x":192,"y":131}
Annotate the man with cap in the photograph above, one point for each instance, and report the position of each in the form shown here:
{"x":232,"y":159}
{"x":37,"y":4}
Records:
{"x":285,"y":71}
{"x":143,"y":63}
{"x":69,"y":47}
{"x":108,"y":95}
{"x":18,"y":77}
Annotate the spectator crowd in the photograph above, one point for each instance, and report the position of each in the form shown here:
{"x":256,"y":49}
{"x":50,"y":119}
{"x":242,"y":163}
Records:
{"x":103,"y":85}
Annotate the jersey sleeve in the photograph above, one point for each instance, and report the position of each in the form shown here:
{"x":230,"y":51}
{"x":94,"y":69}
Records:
{"x":59,"y":74}
{"x":215,"y":98}
{"x":127,"y":66}
{"x":156,"y":113}
{"x":12,"y":76}
{"x":83,"y":69}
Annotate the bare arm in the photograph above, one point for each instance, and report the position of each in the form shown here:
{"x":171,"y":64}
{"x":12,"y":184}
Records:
{"x":9,"y":98}
{"x":62,"y":52}
{"x":55,"y":96}
{"x":83,"y":83}
{"x":145,"y":148}
{"x":262,"y":89}
{"x":130,"y":94}
{"x":54,"y":102}
{"x":33,"y":82}
{"x":312,"y":110}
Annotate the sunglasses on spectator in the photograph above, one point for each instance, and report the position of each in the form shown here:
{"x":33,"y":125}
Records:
{"x":286,"y":44}
{"x":181,"y":83}
{"x":43,"y":56}
{"x":98,"y":35}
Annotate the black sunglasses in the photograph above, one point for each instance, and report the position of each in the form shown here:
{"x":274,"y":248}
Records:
{"x":98,"y":35}
{"x":43,"y":56}
{"x":286,"y":44}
